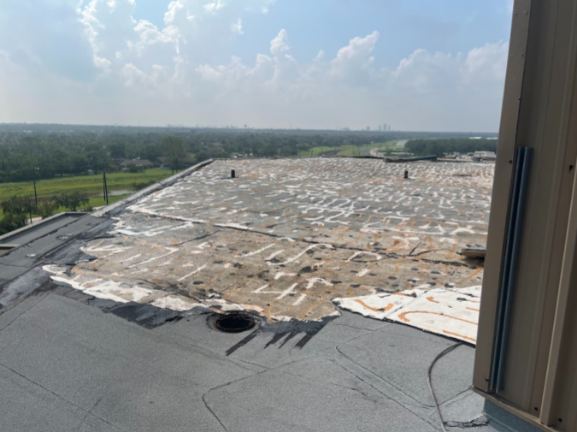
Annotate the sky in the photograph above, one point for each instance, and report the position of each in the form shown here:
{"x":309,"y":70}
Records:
{"x":313,"y":64}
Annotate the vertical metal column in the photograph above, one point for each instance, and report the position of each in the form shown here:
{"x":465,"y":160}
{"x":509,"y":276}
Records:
{"x":509,"y":275}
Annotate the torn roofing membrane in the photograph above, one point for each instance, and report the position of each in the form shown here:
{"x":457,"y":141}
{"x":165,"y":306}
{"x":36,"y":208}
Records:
{"x":286,"y":237}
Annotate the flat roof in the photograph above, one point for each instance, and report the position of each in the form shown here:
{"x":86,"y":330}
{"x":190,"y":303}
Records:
{"x":105,"y":322}
{"x":39,"y":229}
{"x":286,"y":236}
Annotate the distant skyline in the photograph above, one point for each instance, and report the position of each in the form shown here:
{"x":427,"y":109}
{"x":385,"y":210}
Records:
{"x":327,"y":64}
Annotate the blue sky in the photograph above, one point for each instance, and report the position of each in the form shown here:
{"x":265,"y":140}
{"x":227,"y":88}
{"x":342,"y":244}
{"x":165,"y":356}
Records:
{"x":416,"y":64}
{"x":448,"y":26}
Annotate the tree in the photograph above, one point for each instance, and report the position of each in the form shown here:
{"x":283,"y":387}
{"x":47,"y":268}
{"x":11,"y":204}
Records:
{"x":11,"y":222}
{"x":97,"y":157}
{"x":174,"y":151}
{"x":440,"y":147}
{"x":16,"y":205}
{"x":71,"y":200}
{"x":117,"y":150}
{"x":46,"y":209}
{"x":15,"y":210}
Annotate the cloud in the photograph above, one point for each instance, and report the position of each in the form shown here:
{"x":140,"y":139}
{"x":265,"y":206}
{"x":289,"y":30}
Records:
{"x":46,"y":38}
{"x":121,"y":70}
{"x":354,"y":62}
{"x":237,"y":27}
{"x":280,"y":44}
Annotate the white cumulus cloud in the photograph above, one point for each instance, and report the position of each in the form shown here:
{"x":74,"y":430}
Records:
{"x":280,"y":44}
{"x":122,"y":70}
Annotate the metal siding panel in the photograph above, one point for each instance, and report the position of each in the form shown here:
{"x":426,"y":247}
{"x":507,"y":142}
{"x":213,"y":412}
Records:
{"x":501,"y":193}
{"x":547,"y":122}
{"x":542,"y":126}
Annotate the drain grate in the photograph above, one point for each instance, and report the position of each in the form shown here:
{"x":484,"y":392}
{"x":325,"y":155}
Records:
{"x":234,"y":323}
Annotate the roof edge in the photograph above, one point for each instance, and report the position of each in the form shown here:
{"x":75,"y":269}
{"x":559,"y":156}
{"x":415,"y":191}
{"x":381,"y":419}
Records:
{"x":153,"y":188}
{"x":39,"y":223}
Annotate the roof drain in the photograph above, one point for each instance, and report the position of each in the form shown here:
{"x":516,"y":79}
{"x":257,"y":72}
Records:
{"x":235,"y":322}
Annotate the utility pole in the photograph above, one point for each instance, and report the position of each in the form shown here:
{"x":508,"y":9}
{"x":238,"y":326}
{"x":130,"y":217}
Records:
{"x":35,"y":169}
{"x":104,"y":186}
{"x":35,"y":194}
{"x":30,"y":210}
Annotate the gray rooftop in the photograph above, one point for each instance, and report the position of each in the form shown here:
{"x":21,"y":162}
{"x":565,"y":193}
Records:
{"x":79,"y":355}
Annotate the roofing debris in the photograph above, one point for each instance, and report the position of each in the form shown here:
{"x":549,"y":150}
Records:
{"x":474,"y":251}
{"x":453,"y":313}
{"x":286,"y":237}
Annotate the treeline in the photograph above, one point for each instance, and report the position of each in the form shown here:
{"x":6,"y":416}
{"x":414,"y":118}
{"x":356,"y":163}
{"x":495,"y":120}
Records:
{"x":29,"y":152}
{"x":16,"y":210}
{"x":441,"y":147}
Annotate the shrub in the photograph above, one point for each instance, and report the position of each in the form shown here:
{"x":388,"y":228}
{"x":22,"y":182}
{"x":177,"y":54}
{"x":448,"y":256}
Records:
{"x":46,"y":209}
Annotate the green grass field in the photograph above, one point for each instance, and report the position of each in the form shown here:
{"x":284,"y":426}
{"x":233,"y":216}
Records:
{"x":349,"y":150}
{"x":91,"y":185}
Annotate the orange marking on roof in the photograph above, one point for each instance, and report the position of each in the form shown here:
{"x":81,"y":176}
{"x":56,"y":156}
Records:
{"x":400,"y":226}
{"x":363,"y":304}
{"x":314,"y":305}
{"x":459,"y":336}
{"x":398,"y":266}
{"x":386,"y":308}
{"x":98,"y":244}
{"x":432,"y":299}
{"x":395,"y":246}
{"x":355,"y":240}
{"x":343,"y":234}
{"x":453,"y":250}
{"x":424,"y":269}
{"x":445,"y":274}
{"x":473,"y":309}
{"x":360,"y":215}
{"x":403,"y":316}
{"x":476,"y":272}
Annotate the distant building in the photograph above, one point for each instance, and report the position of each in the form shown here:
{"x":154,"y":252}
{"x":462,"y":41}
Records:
{"x":484,"y":156}
{"x":139,"y":163}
